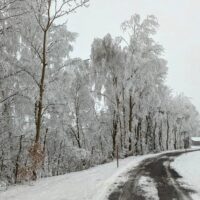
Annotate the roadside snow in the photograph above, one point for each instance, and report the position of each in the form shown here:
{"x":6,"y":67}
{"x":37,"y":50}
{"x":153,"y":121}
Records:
{"x":148,"y":187}
{"x":91,"y":184}
{"x":188,"y":166}
{"x":195,"y":147}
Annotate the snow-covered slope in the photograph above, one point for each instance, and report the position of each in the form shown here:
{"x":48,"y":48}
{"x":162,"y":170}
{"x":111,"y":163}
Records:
{"x":188,"y":166}
{"x":91,"y":184}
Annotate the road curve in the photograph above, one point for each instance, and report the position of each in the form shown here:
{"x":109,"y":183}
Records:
{"x":165,"y":178}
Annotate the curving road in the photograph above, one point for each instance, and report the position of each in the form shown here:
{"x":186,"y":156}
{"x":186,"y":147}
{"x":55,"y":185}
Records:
{"x":165,"y":178}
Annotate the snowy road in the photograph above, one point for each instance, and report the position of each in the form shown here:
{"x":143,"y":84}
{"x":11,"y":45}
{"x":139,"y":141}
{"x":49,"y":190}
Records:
{"x":154,"y":179}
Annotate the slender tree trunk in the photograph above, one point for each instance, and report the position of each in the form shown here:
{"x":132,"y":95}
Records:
{"x":130,"y":122}
{"x":39,"y":103}
{"x":17,"y":159}
{"x":2,"y":161}
{"x":167,"y":140}
{"x":59,"y":158}
{"x":179,"y":136}
{"x":101,"y":146}
{"x":160,"y":137}
{"x":138,"y":128}
{"x":124,"y":118}
{"x":121,"y":134}
{"x":114,"y":133}
{"x":77,"y":124}
{"x":130,"y":114}
{"x":154,"y":136}
{"x":116,"y":115}
{"x":141,"y":141}
{"x":175,"y":138}
{"x":41,"y":90}
{"x":147,"y":130}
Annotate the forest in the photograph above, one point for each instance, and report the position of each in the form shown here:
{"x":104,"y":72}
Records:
{"x":60,"y":114}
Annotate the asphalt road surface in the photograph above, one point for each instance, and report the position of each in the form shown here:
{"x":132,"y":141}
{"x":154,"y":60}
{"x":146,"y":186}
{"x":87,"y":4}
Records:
{"x":165,"y":178}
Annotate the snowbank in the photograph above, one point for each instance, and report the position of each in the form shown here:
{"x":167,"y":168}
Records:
{"x":196,"y":139}
{"x":188,"y":166}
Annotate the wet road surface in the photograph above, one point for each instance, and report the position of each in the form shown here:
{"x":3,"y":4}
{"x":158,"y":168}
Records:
{"x":165,"y":178}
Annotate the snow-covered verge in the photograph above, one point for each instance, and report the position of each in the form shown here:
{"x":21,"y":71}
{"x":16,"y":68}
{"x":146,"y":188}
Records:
{"x":188,"y":166}
{"x":91,"y":184}
{"x":195,"y":147}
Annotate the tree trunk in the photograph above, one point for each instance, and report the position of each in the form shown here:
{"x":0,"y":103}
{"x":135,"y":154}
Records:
{"x":167,"y":140}
{"x":114,"y":133}
{"x":160,"y":137}
{"x":124,"y":118}
{"x":154,"y":136}
{"x":41,"y":90}
{"x":77,"y":125}
{"x":130,"y":114}
{"x":138,"y":128}
{"x":130,"y":122}
{"x":17,"y":159}
{"x":175,"y":138}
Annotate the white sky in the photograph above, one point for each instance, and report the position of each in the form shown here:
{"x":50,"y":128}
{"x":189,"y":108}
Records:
{"x":179,"y":33}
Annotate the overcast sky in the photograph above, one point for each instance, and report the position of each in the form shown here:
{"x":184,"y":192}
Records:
{"x":179,"y":33}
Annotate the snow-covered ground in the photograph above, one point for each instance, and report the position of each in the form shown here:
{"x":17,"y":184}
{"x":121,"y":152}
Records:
{"x":148,"y":186}
{"x":188,"y":166}
{"x":196,"y":139}
{"x":91,"y":184}
{"x":95,"y":183}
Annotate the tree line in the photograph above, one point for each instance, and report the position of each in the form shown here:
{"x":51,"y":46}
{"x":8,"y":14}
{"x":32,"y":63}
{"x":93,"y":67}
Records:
{"x":60,"y":114}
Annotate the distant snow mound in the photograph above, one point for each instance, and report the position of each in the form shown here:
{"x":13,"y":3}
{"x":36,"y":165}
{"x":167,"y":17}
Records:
{"x":196,"y":139}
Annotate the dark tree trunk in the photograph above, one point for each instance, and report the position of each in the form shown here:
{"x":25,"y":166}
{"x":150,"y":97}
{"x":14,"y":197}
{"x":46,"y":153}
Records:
{"x":114,"y":132}
{"x":17,"y":159}
{"x":130,"y":114}
{"x":160,"y":137}
{"x":78,"y":138}
{"x":124,"y":118}
{"x":141,"y":141}
{"x":138,"y":129}
{"x":130,"y":121}
{"x":154,"y":136}
{"x":167,"y":140}
{"x":175,"y":138}
{"x":148,"y":130}
{"x":38,"y":119}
